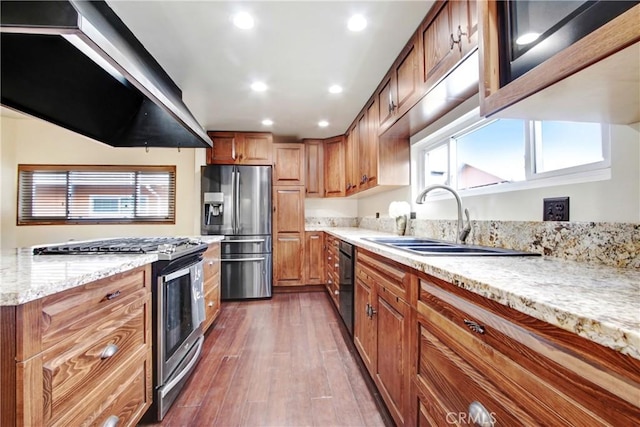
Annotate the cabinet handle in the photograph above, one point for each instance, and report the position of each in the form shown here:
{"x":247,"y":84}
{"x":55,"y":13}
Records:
{"x":109,"y":351}
{"x":329,"y":281}
{"x":336,"y":292}
{"x":480,"y":415}
{"x":336,"y":265}
{"x":211,"y":304}
{"x":453,"y":41}
{"x":112,"y":421}
{"x":474,"y":326}
{"x":210,"y":262}
{"x":113,"y":295}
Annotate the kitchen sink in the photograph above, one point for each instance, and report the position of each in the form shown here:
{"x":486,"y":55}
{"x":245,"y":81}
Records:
{"x":432,"y":247}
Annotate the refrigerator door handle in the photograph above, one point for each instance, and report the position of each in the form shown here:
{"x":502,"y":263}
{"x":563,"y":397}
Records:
{"x":243,"y":259}
{"x":233,"y":199}
{"x":237,"y":203}
{"x":244,"y":241}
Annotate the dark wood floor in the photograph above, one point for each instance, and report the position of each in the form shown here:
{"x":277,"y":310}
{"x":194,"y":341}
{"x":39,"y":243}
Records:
{"x":277,"y":362}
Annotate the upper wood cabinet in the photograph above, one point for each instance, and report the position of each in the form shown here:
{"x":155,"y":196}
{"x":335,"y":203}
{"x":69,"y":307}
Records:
{"x":578,"y":83}
{"x":401,"y":87}
{"x":334,"y":167}
{"x":447,"y":34}
{"x":351,"y":160}
{"x":246,"y":148}
{"x":288,"y":164}
{"x":314,"y":178}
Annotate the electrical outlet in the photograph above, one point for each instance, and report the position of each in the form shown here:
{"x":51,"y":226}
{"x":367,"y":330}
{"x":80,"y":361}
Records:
{"x":412,"y":215}
{"x":556,"y":209}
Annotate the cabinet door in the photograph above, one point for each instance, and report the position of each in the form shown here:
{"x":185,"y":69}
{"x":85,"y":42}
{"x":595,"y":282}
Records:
{"x":364,"y":326}
{"x":407,"y":79}
{"x":314,"y":178}
{"x":386,"y":102}
{"x":256,"y":149}
{"x":439,"y":54}
{"x":392,"y":364}
{"x":288,"y":257}
{"x":372,"y":124}
{"x":351,"y":161}
{"x":288,"y":164}
{"x":288,"y":204}
{"x":465,"y":15}
{"x":224,"y":150}
{"x":363,"y":151}
{"x":334,"y":170}
{"x":314,"y":258}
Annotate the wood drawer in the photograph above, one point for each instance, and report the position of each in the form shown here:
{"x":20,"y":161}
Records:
{"x":126,"y":396}
{"x":211,"y":305}
{"x":522,"y":370}
{"x":393,"y":277}
{"x":73,"y":368}
{"x":66,"y":313}
{"x":211,"y":261}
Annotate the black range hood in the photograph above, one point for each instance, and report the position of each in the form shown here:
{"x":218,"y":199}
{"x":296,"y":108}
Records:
{"x":75,"y":64}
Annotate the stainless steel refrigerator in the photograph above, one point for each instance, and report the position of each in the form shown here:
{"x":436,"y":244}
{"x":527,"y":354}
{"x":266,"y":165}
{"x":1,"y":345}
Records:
{"x":236,"y":202}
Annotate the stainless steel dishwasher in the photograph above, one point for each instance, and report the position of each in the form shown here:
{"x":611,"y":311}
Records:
{"x":345,"y":286}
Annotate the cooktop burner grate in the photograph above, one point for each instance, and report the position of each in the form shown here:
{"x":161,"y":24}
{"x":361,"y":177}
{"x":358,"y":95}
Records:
{"x":138,"y":245}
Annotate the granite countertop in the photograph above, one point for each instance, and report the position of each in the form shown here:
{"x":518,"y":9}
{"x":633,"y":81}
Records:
{"x":25,"y":277}
{"x":596,"y":302}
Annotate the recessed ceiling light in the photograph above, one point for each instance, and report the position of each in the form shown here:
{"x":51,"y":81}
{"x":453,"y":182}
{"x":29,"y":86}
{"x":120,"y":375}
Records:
{"x":243,"y":20}
{"x":335,"y":89}
{"x":357,"y":23}
{"x":258,"y":86}
{"x":323,"y":123}
{"x":267,"y":122}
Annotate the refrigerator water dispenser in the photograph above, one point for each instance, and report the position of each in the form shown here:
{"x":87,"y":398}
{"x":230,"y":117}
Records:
{"x":213,"y":205}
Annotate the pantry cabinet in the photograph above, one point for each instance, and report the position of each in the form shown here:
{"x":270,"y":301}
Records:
{"x":382,"y":328}
{"x":211,"y":268}
{"x":240,"y":148}
{"x":477,"y":358}
{"x":288,"y":235}
{"x":80,"y":356}
{"x":288,"y":164}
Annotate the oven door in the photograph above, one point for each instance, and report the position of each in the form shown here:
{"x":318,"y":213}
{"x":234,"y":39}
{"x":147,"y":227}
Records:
{"x":180,"y":314}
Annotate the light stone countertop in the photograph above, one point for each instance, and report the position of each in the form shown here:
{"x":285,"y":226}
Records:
{"x":25,"y":277}
{"x":596,"y":302}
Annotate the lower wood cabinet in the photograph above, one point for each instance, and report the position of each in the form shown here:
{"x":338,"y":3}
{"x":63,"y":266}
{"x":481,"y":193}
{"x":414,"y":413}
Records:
{"x":479,"y":360}
{"x":382,"y":328}
{"x":79,"y":357}
{"x":211,"y":285}
{"x":332,"y":267}
{"x":314,"y":258}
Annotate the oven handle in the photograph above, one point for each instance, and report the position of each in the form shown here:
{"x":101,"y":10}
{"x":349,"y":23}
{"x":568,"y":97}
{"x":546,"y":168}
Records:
{"x":243,"y":259}
{"x":182,"y":272}
{"x":187,"y":369}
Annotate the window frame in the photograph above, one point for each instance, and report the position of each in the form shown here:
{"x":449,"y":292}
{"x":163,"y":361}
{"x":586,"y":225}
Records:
{"x":69,"y":219}
{"x":596,"y":171}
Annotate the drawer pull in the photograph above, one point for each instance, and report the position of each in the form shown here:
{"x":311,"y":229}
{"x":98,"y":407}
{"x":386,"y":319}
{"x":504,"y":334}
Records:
{"x":479,"y":415}
{"x":112,"y":421}
{"x":109,"y":351}
{"x":474,"y":326}
{"x":113,"y":295}
{"x":211,"y":304}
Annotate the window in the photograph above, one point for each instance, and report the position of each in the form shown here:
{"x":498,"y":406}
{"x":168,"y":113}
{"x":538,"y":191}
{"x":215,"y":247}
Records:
{"x":95,"y":194}
{"x":490,"y":154}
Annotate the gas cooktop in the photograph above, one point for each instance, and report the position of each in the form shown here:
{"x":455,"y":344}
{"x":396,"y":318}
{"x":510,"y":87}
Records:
{"x":165,"y":247}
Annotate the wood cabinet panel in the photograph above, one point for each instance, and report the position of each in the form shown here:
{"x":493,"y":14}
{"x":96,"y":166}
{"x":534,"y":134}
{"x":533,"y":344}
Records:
{"x":386,"y":102}
{"x":288,"y":259}
{"x":520,"y":369}
{"x":351,"y":156}
{"x":314,"y":258}
{"x":240,"y":148}
{"x":332,"y":267}
{"x":334,"y":167}
{"x":363,"y":150}
{"x":439,"y":53}
{"x":364,"y":329}
{"x":211,"y":268}
{"x":407,"y":78}
{"x":288,"y":209}
{"x":314,"y":178}
{"x":288,"y":164}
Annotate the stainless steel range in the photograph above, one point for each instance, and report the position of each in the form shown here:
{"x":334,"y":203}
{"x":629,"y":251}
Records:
{"x":178,"y":305}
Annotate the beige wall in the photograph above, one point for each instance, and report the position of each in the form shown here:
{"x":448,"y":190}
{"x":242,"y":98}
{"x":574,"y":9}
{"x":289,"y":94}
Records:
{"x":37,"y":142}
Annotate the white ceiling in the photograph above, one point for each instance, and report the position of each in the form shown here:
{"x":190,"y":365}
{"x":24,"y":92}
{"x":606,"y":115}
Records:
{"x":298,"y":48}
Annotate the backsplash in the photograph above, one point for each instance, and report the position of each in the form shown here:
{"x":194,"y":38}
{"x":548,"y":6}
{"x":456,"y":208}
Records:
{"x":613,"y":244}
{"x":331,"y":222}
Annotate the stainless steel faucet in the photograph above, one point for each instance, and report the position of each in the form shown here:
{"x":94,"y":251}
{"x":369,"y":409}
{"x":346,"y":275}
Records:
{"x":463,"y":231}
